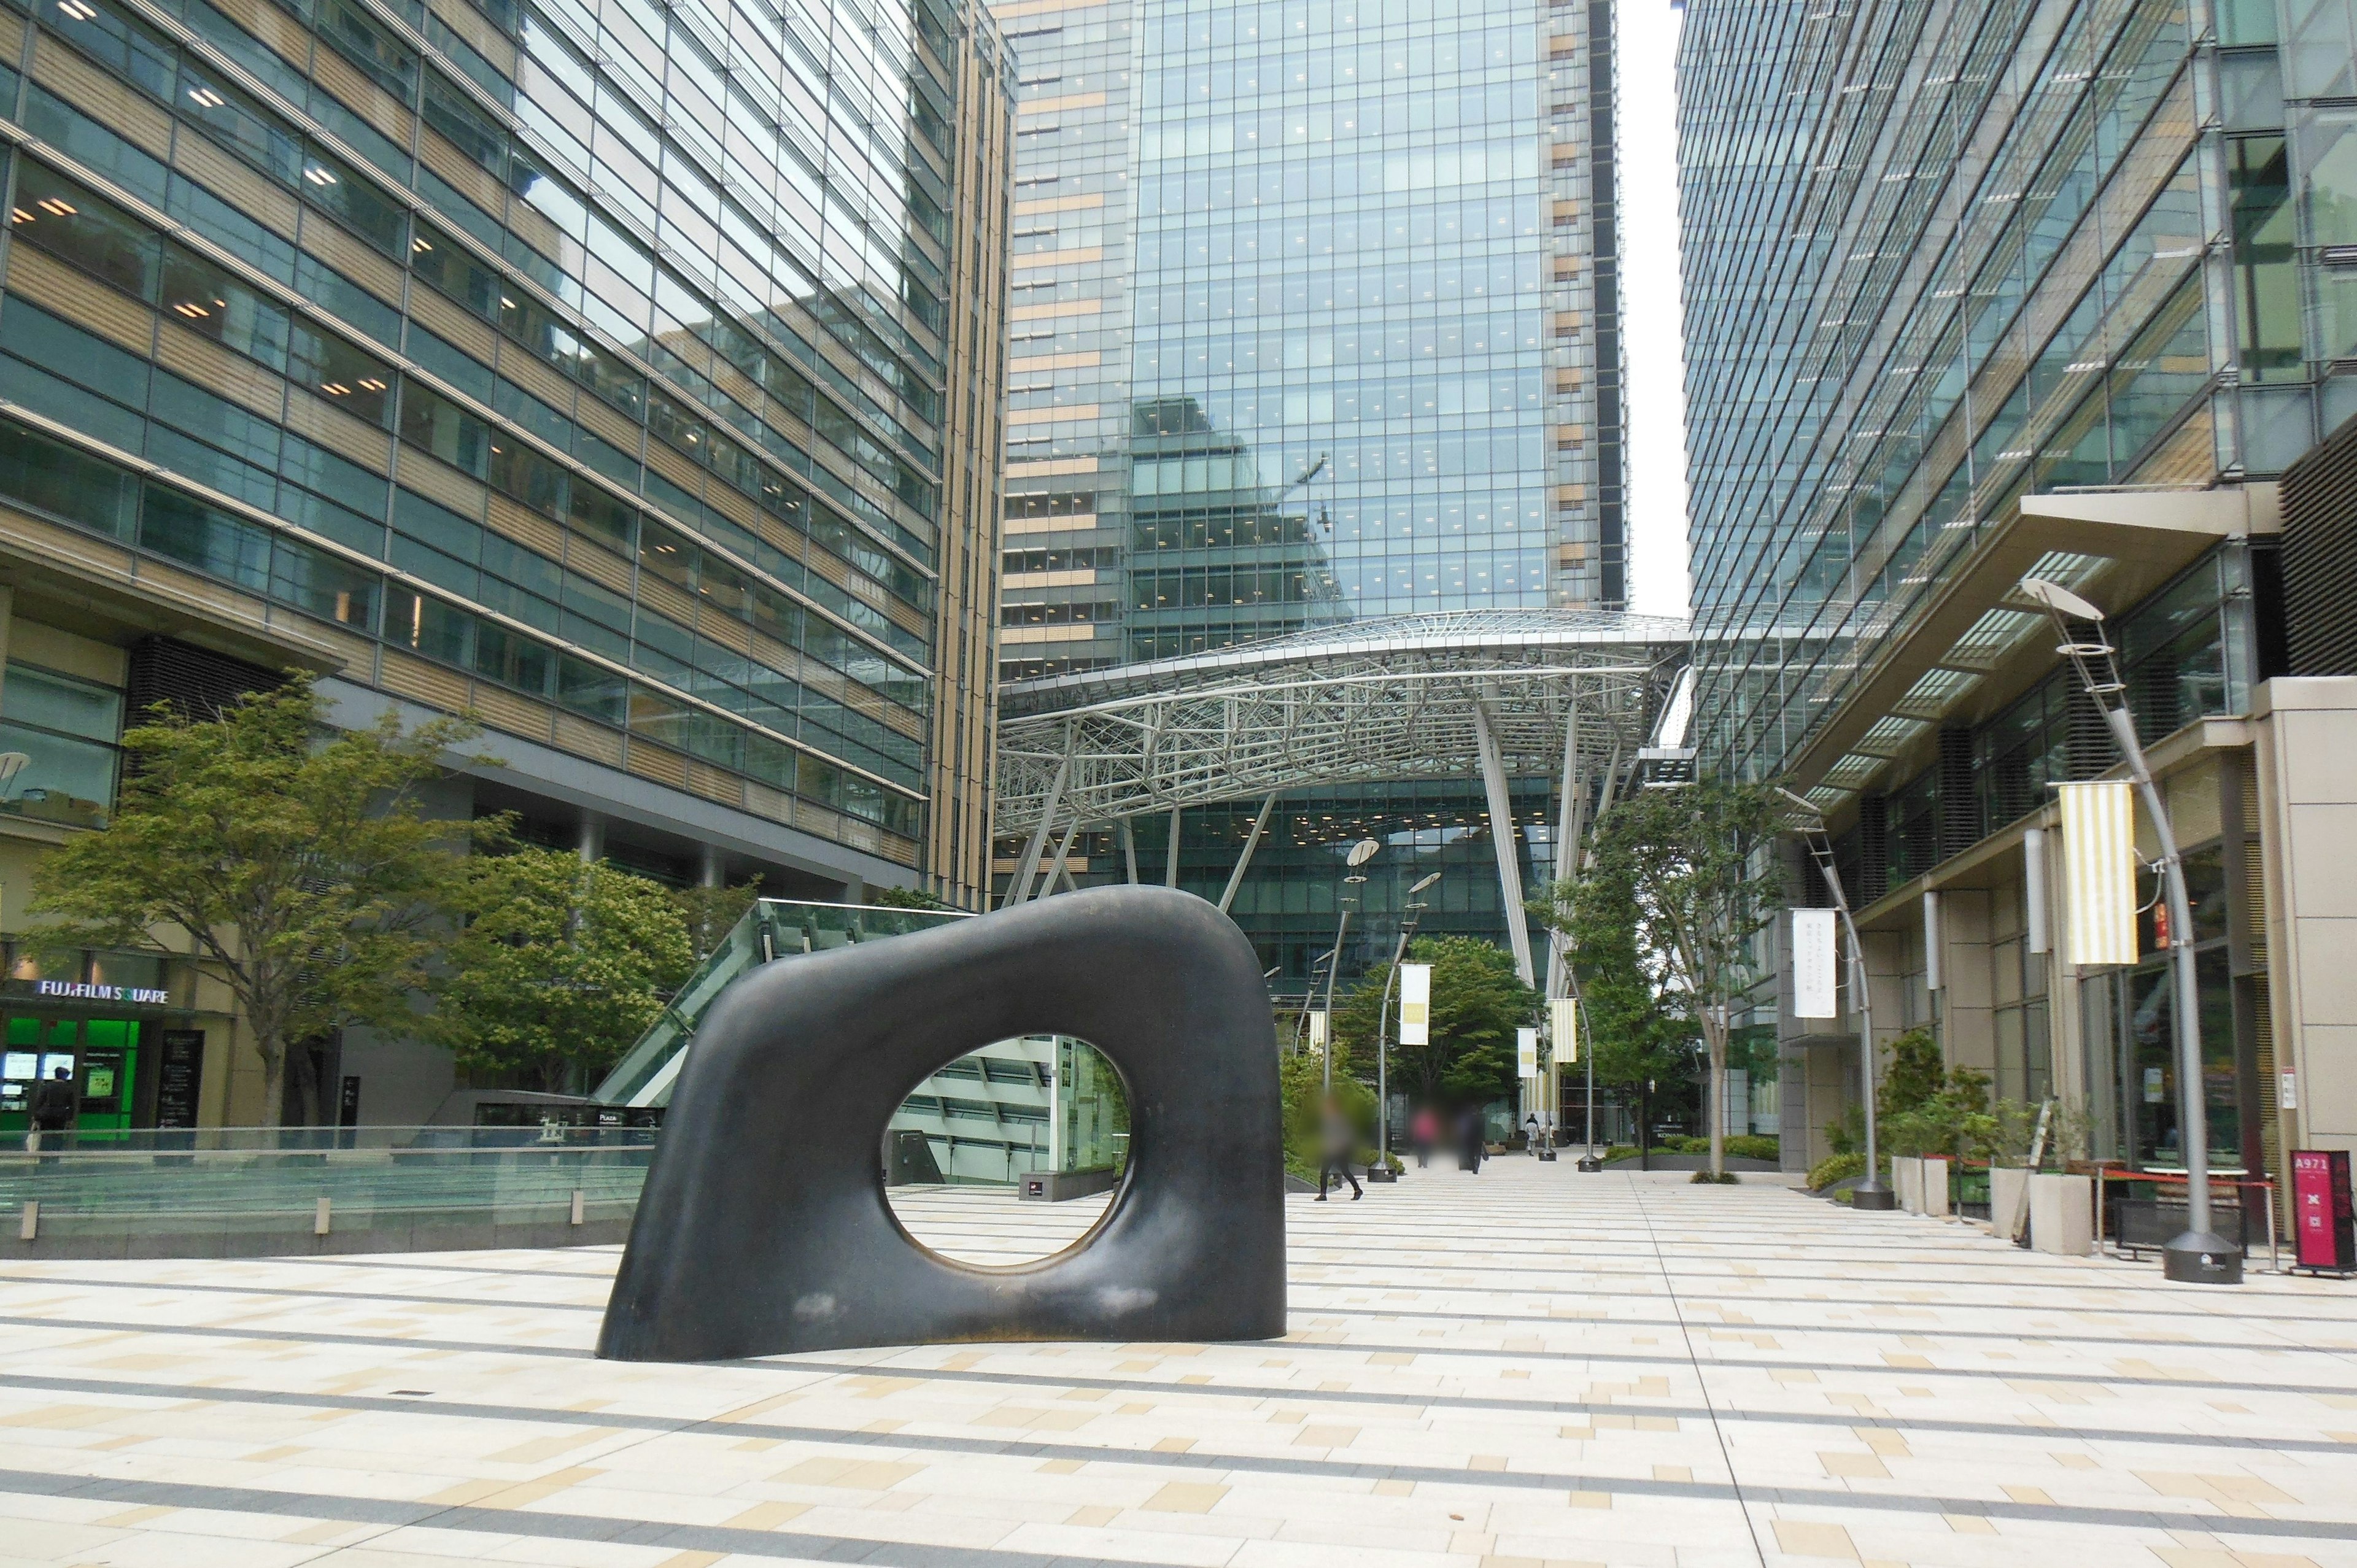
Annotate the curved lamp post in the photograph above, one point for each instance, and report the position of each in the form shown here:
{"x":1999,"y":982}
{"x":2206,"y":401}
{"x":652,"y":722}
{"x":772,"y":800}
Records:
{"x":1869,"y":1194}
{"x":1412,"y":915}
{"x":2198,"y":1254}
{"x":1362,"y":852}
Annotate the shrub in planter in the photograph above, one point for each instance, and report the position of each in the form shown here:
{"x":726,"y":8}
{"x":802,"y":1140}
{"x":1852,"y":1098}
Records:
{"x":1724,"y":1178}
{"x":1835,"y":1167}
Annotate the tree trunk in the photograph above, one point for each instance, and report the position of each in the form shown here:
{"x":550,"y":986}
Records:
{"x":1715,"y":1038}
{"x":274,"y":1074}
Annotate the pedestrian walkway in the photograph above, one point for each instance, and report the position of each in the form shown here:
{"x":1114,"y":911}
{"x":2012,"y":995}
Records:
{"x":1527,"y":1367}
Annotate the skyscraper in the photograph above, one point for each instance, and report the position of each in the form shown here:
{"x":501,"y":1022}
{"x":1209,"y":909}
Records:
{"x":1314,"y":317}
{"x":627,"y":375}
{"x":2049,"y":288}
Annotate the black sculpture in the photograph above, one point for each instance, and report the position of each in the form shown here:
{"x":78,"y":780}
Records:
{"x":764,"y":1228}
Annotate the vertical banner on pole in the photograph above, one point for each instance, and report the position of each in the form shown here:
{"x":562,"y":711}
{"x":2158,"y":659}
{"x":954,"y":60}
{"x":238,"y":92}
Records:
{"x":1317,"y":1029}
{"x":1526,"y":1052}
{"x":2099,"y":868}
{"x":1563,"y":1030}
{"x":1416,"y":1004}
{"x":1813,"y":964}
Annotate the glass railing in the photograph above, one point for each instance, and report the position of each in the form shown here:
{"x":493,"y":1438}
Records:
{"x":186,"y":1187}
{"x":772,"y":929}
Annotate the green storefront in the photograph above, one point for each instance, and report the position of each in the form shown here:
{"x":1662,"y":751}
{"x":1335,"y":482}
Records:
{"x":112,"y":1038}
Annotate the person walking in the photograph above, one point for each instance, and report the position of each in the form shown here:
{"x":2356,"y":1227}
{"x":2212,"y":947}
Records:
{"x":53,"y":1107}
{"x":1424,"y":1131}
{"x":1470,"y":1140}
{"x":1338,"y":1140}
{"x":1532,"y":1139}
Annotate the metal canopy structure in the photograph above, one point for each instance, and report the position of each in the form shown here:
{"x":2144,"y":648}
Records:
{"x":1487,"y":694}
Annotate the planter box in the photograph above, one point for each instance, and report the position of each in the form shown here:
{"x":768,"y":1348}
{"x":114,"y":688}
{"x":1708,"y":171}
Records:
{"x":1056,"y":1187}
{"x":1906,"y":1182}
{"x":2008,"y":1213}
{"x":2063,"y":1214}
{"x":1934,"y":1188}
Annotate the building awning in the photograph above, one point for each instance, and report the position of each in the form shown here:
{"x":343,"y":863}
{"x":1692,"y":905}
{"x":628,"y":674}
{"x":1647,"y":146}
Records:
{"x":1978,"y":644}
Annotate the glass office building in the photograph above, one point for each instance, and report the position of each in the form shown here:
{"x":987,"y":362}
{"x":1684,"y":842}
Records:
{"x":627,"y":375}
{"x":2050,"y":287}
{"x":1314,"y":317}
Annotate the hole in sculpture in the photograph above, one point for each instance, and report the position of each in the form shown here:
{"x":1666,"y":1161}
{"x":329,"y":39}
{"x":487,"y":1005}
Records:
{"x":1010,"y":1153}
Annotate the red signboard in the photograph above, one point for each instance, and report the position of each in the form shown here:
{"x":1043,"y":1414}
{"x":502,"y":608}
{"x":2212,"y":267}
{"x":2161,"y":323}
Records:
{"x":2323,"y":1226}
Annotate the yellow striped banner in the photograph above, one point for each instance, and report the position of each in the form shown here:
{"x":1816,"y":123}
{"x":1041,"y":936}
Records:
{"x":2099,"y":868}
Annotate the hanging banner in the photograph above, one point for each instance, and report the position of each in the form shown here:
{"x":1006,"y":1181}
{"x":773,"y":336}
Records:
{"x":1813,"y":964}
{"x":1526,"y":1052}
{"x":1416,"y":1004}
{"x":1317,"y":1029}
{"x":1563,"y":1030}
{"x":2099,"y":868}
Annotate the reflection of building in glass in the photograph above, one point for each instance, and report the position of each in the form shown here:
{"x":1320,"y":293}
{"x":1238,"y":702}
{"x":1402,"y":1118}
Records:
{"x":1216,"y":557}
{"x":1385,"y":239}
{"x":2031,"y":305}
{"x":623,"y":374}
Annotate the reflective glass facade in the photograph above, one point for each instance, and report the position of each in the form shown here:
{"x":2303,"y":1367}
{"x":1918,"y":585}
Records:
{"x":1939,"y":256}
{"x":1314,"y":315}
{"x":624,"y":374}
{"x":1314,"y":318}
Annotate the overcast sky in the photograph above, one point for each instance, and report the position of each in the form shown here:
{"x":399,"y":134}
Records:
{"x":1649,"y":217}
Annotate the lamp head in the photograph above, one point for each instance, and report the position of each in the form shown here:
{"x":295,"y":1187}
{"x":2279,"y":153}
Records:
{"x":1364,"y":850}
{"x":2058,"y":599}
{"x":1423,"y":885}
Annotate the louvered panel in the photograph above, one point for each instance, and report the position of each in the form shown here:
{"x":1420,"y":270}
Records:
{"x":676,"y":468}
{"x":503,"y":709}
{"x":538,"y":380}
{"x":450,"y":324}
{"x":463,"y":172}
{"x":287,"y":39}
{"x":220,"y":373}
{"x":54,"y":287}
{"x":440,"y":482}
{"x":427,"y":683}
{"x":236,"y":184}
{"x":716,"y":785}
{"x":356,"y":261}
{"x":338,"y":432}
{"x":98,"y":94}
{"x":662,"y":597}
{"x":527,"y":527}
{"x":649,"y":760}
{"x":597,"y":564}
{"x":2319,"y":556}
{"x":195,"y":682}
{"x":364,"y":97}
{"x":603,"y":422}
{"x":594,"y":741}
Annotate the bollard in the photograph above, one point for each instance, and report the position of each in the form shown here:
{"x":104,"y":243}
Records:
{"x":577,"y":1206}
{"x":29,"y":1228}
{"x":320,"y":1219}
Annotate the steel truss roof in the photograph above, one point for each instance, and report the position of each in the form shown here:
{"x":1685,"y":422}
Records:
{"x":1378,"y":700}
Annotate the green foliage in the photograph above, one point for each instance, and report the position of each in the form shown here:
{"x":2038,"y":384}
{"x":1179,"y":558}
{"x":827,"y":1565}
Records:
{"x":294,"y":861}
{"x":1478,"y":1003}
{"x":1721,"y":1178}
{"x":1662,"y":922}
{"x":1739,"y":1145}
{"x":557,"y":966}
{"x":1301,"y":1080}
{"x":1916,"y":1073}
{"x":1837,"y":1167}
{"x":711,"y":913}
{"x":902,"y":899}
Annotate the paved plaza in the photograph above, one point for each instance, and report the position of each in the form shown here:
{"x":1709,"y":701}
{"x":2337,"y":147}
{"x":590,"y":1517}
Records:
{"x":1530,"y":1367}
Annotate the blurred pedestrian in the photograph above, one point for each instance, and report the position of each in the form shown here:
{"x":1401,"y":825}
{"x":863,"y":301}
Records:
{"x":1338,"y":1141}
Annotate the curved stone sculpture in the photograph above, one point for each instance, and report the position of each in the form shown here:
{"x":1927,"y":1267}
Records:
{"x":764,"y":1229}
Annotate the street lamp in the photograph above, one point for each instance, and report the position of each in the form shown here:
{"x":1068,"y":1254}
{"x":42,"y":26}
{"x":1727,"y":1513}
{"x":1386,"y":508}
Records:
{"x":1868,"y":1194}
{"x":2200,"y":1255}
{"x":1362,"y":852}
{"x":1412,"y":913}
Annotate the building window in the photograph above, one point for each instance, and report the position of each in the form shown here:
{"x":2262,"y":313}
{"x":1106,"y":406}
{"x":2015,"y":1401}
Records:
{"x":66,"y":731}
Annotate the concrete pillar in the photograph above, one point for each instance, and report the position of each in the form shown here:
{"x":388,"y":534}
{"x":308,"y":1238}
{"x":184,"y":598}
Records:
{"x":592,"y":844}
{"x":714,"y":870}
{"x":1967,"y":998}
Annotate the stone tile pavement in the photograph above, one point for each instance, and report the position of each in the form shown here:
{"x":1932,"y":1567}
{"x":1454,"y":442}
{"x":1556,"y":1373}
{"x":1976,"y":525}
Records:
{"x":1530,"y":1367}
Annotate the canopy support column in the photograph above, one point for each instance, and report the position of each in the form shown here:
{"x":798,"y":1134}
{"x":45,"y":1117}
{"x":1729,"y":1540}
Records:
{"x":1501,"y":839}
{"x":1129,"y":851}
{"x":1170,"y":874}
{"x":1251,"y":843}
{"x":1019,"y":888}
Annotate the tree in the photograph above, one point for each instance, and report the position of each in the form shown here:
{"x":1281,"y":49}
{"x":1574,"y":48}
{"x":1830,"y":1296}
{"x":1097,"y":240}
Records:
{"x":1639,"y":1040}
{"x":711,"y":913}
{"x":1683,"y":872}
{"x":1478,"y":1003}
{"x":559,"y":964}
{"x":298,"y":866}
